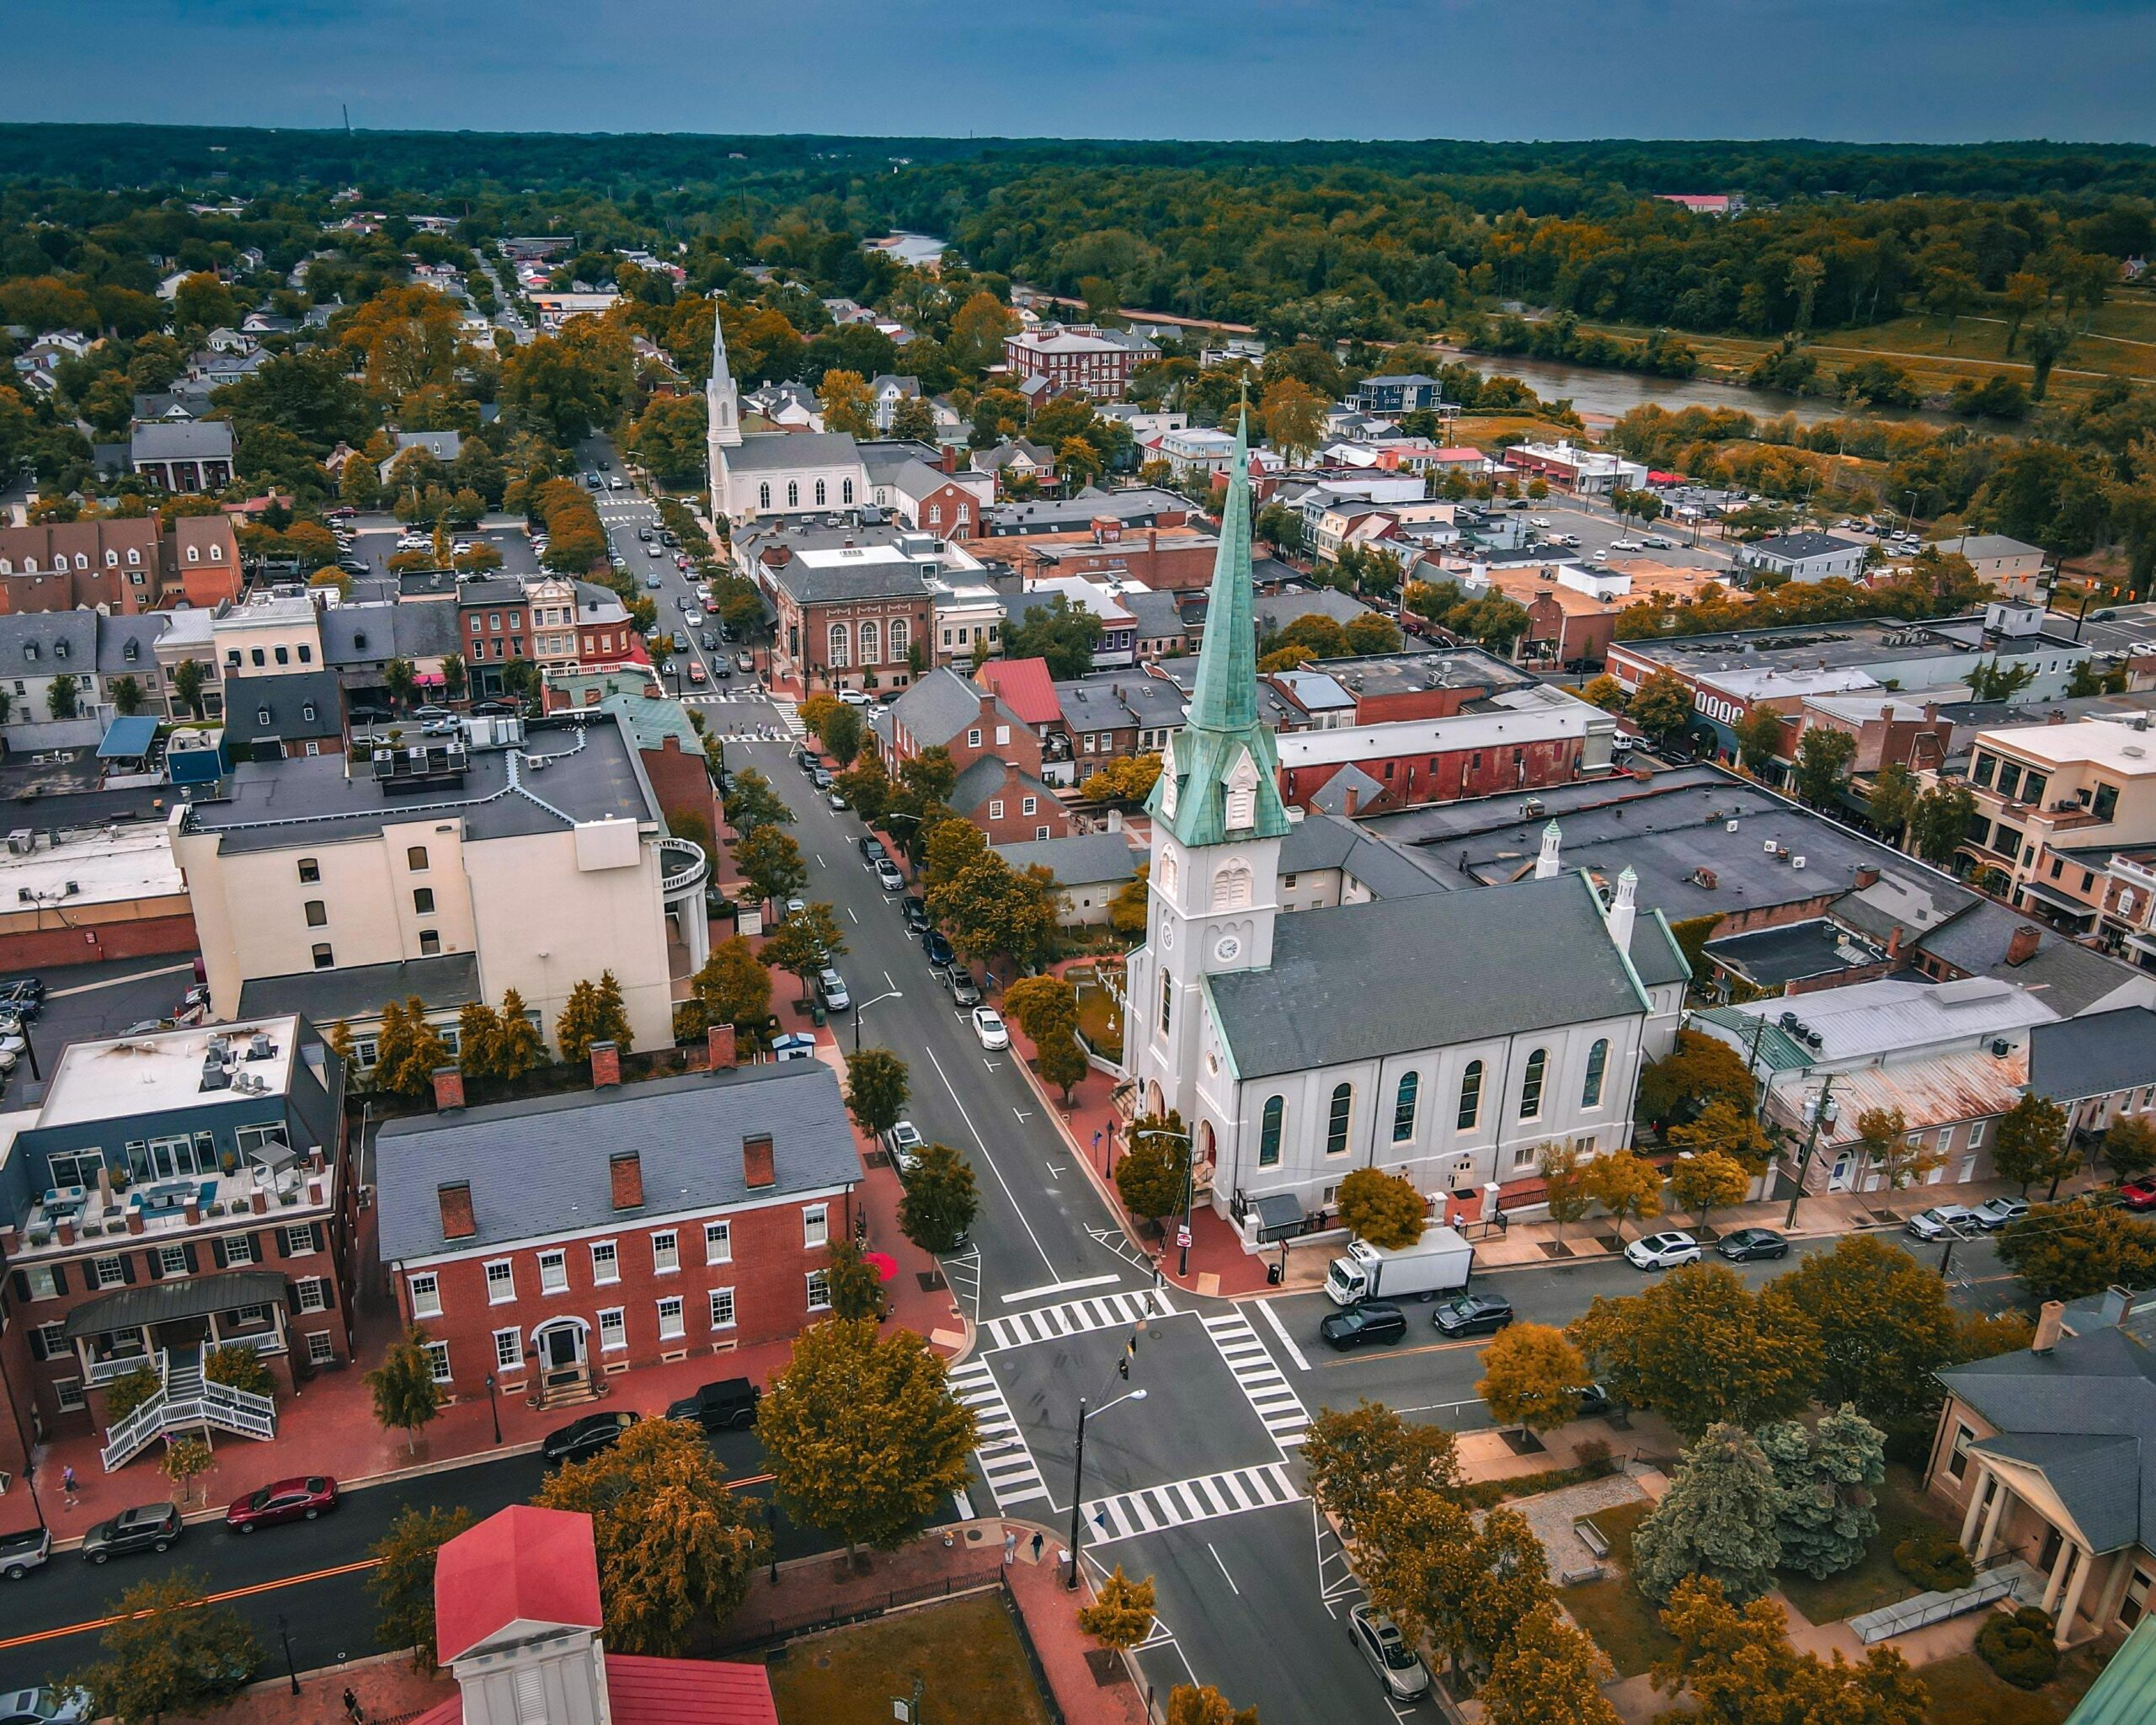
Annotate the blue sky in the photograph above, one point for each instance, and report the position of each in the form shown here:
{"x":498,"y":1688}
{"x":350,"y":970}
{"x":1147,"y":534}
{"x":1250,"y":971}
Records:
{"x":1907,"y":69}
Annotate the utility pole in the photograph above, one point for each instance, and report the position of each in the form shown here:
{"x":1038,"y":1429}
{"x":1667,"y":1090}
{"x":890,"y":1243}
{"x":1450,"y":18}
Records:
{"x":1804,"y":1160}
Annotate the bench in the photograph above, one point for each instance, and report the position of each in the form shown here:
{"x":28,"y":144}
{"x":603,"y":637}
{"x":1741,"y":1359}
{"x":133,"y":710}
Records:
{"x":1580,"y":1577}
{"x":1592,"y":1538}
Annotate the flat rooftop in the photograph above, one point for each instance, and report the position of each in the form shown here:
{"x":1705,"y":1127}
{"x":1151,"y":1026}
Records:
{"x":1857,"y":642}
{"x":128,"y":1075}
{"x":102,"y":865}
{"x":2107,"y":743}
{"x":564,"y":775}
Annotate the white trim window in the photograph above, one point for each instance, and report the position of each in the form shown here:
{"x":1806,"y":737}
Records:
{"x":299,"y":1241}
{"x":820,"y":1290}
{"x":718,"y":1242}
{"x":815,"y":1226}
{"x":172,"y":1261}
{"x":722,"y":1308}
{"x":67,"y":1394}
{"x":606,"y":1263}
{"x":239,"y":1251}
{"x":501,"y":1282}
{"x":321,"y":1347}
{"x":438,"y":1358}
{"x":665,"y":1252}
{"x":672,"y":1325}
{"x":554,"y":1272}
{"x":509,"y":1350}
{"x":426,"y":1293}
{"x":613,"y":1330}
{"x":313,"y":1294}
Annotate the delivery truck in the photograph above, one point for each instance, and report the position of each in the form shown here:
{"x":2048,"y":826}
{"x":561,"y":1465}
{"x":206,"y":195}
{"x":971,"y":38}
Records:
{"x":1439,"y":1262}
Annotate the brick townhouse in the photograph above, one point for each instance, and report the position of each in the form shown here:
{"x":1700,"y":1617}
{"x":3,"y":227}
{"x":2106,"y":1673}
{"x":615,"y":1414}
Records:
{"x":173,"y":1194}
{"x":491,"y":624}
{"x":551,"y":1242}
{"x":118,"y":564}
{"x":997,"y":753}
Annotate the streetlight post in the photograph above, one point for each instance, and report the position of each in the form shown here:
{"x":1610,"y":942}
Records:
{"x":1078,"y":1475}
{"x":861,"y":1006}
{"x":494,"y":1407}
{"x":1819,"y":1116}
{"x":292,"y":1667}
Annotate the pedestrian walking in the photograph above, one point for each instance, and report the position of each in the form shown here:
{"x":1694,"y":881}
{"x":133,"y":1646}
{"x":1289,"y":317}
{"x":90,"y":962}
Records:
{"x":1009,"y":1547}
{"x":68,"y":1485}
{"x":1037,"y":1548}
{"x":353,"y":1711}
{"x":1122,"y":1367}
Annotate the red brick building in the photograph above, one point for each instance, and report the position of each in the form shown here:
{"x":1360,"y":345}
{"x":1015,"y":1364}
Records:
{"x":1009,"y":803}
{"x":1363,"y":769}
{"x":850,"y":614}
{"x":1167,"y":560}
{"x":493,"y":624}
{"x":553,"y":1241}
{"x":124,"y":564}
{"x":1077,"y":359}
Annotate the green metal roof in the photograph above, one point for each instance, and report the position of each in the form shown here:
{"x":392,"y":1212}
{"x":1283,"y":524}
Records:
{"x":2124,"y":1692}
{"x":1779,"y":1051}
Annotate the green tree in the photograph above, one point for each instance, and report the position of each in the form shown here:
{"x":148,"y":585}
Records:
{"x":1894,"y":792}
{"x":1371,"y":633}
{"x":732,"y":987}
{"x":877,"y":1086}
{"x":127,"y":695}
{"x":406,"y":1395}
{"x":1627,"y":1185}
{"x":940,"y":1201}
{"x":855,"y":1289}
{"x":676,"y":1545}
{"x":805,"y":943}
{"x":188,"y":677}
{"x":2070,"y":1250}
{"x":862,"y":1434}
{"x":1706,"y":1181}
{"x":1824,"y":755}
{"x":61,"y":696}
{"x":1062,"y":1063}
{"x":1548,"y":1674}
{"x":1532,"y":1377}
{"x":990,"y":908}
{"x":866,"y":788}
{"x":1153,"y":1173}
{"x":1385,"y":1209}
{"x":522,"y":1049}
{"x":403,"y":1579}
{"x":1698,"y":1347}
{"x":1825,"y":1482}
{"x":1719,"y":1519}
{"x":1356,"y":1457}
{"x":953,"y":847}
{"x":752,"y":803}
{"x":2030,"y":1141}
{"x":1661,"y":706}
{"x":914,"y":420}
{"x":770,"y":862}
{"x":1121,"y":1615}
{"x":166,"y":1651}
{"x":1060,"y":633}
{"x":842,"y":734}
{"x":239,"y":1367}
{"x":2129,"y":1149}
{"x":1758,"y":738}
{"x":1939,"y":823}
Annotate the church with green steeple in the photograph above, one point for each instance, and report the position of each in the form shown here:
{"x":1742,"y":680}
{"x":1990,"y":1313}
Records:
{"x":1444,"y":1037}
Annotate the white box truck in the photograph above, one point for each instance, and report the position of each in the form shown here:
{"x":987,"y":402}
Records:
{"x":1437,"y":1264}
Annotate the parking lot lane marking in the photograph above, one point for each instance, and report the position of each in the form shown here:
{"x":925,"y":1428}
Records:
{"x":888,"y":983}
{"x":850,"y":917}
{"x":1224,"y":1575}
{"x":1280,"y":1330}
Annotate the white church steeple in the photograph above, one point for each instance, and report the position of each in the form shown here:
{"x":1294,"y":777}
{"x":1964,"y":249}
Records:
{"x":722,"y":402}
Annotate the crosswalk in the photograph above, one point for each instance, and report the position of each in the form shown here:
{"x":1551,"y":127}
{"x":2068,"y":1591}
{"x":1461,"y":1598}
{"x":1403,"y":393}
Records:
{"x":1277,"y":1405}
{"x":789,"y":715}
{"x":1205,"y":1498}
{"x":1005,"y":1463}
{"x":1075,"y":1317}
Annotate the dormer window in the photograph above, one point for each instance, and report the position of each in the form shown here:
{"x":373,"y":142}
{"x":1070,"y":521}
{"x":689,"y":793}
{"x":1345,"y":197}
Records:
{"x":30,"y":650}
{"x":261,"y":716}
{"x":112,"y":559}
{"x":59,"y":649}
{"x":131,"y":652}
{"x":80,"y":561}
{"x":1241,"y":810}
{"x":30,"y":565}
{"x":194,"y":554}
{"x":216,"y":554}
{"x":134,"y":556}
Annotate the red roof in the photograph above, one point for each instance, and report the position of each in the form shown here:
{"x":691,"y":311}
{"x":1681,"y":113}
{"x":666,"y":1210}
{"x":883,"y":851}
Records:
{"x":1025,"y":686}
{"x":524,"y":1565}
{"x":1456,"y":452}
{"x":644,"y":1691}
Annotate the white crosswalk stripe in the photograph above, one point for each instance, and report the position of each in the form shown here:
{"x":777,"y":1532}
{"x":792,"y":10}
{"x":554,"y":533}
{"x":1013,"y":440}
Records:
{"x":1005,"y":1463}
{"x":1046,"y":1323}
{"x":1210,"y":1496}
{"x":789,"y":715}
{"x":1276,"y":1404}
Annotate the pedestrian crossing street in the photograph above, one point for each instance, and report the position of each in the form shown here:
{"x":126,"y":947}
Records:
{"x":1205,"y":1498}
{"x":1276,"y":1404}
{"x":1005,"y":1463}
{"x":1047,"y":1323}
{"x":789,"y":715}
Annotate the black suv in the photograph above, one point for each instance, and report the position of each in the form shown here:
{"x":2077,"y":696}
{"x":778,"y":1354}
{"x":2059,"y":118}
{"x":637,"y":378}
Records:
{"x":917,"y":916}
{"x":1472,"y":1314}
{"x":585,"y":1437}
{"x":1371,"y":1322}
{"x":729,"y":1404}
{"x":147,"y":1527}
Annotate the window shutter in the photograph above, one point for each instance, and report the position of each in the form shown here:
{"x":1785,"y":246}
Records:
{"x":22,"y":1287}
{"x":192,"y":1265}
{"x":292,"y":1297}
{"x":59,"y":1277}
{"x":153,"y":1258}
{"x":314,"y":1230}
{"x":217,"y":1251}
{"x":278,"y":1235}
{"x":126,"y":1265}
{"x":261,"y":1247}
{"x":37,"y":1343}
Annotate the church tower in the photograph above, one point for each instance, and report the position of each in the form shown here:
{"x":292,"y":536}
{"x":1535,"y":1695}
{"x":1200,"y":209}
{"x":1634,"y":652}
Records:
{"x":1218,"y":821}
{"x":721,"y":422}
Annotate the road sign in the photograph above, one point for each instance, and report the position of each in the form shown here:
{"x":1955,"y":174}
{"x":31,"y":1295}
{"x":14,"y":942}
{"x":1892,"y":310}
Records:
{"x":1182,"y":1237}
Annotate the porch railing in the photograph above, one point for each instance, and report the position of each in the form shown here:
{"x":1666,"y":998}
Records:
{"x":187,"y":1401}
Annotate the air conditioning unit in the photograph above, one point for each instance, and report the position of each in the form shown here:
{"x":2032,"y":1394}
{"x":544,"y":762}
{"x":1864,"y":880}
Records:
{"x":2000,"y":1048}
{"x":1729,"y":826}
{"x":1796,"y":862}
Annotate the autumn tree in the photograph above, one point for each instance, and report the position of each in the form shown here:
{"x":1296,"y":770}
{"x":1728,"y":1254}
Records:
{"x":1121,"y":1615}
{"x":1699,"y":1346}
{"x":1707,"y":1180}
{"x":1720,"y":1519}
{"x":732,"y":986}
{"x":402,"y":1579}
{"x":1699,"y":1068}
{"x":1385,"y":1210}
{"x":1736,"y":1664}
{"x":1130,"y":904}
{"x":675,"y":1544}
{"x":1532,"y":1377}
{"x":1566,"y":1195}
{"x":522,"y":1049}
{"x":852,"y":1285}
{"x":2129,"y":1149}
{"x":806,"y":942}
{"x":1894,"y":792}
{"x":1352,"y":1458}
{"x":847,"y":404}
{"x":1758,"y":739}
{"x":1729,"y":1128}
{"x":1462,"y":1581}
{"x":1888,"y":1150}
{"x":167,"y":1650}
{"x":594,"y":1012}
{"x":876,"y":1085}
{"x":478,"y":1040}
{"x":1201,"y":1704}
{"x":951,"y":847}
{"x":2070,"y":1250}
{"x":1627,"y":1185}
{"x":1548,"y":1674}
{"x":1661,"y":706}
{"x":1293,"y":415}
{"x":1042,"y":1006}
{"x":2027,"y":1145}
{"x":940,"y":1200}
{"x":862,"y":1434}
{"x":406,"y":1395}
{"x":1130,"y":780}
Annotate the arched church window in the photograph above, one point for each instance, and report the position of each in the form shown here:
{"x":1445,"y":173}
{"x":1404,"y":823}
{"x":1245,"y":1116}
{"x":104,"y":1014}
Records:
{"x":763,"y":496}
{"x":819,"y":493}
{"x":793,"y":493}
{"x":1231,"y":887}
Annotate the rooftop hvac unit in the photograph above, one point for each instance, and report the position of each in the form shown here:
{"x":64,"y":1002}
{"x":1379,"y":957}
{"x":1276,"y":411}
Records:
{"x":1729,"y":826}
{"x":1796,"y":862}
{"x":1770,"y":847}
{"x":2000,"y":1048}
{"x":1812,"y":1039}
{"x":258,"y":1046}
{"x":22,"y":842}
{"x":1788,"y":1021}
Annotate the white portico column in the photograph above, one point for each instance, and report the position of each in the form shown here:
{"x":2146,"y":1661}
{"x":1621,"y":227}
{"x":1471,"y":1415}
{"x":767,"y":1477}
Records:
{"x":2085,"y":1561}
{"x":1978,"y":1488}
{"x":2001,"y":1493}
{"x":2060,"y":1565}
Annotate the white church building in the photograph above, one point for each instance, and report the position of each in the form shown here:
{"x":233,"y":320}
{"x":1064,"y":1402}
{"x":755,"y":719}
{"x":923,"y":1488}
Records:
{"x":772,"y":473}
{"x":1447,"y":1036}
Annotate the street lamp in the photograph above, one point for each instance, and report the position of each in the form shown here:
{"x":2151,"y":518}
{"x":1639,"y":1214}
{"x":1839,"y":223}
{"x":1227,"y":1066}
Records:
{"x":494,"y":1407}
{"x":1189,"y":1189}
{"x":292,"y":1667}
{"x":861,"y":1006}
{"x":1078,"y":1475}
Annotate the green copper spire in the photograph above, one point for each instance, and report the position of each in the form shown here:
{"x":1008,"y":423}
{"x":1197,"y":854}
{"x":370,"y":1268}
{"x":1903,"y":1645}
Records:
{"x":1224,"y":747}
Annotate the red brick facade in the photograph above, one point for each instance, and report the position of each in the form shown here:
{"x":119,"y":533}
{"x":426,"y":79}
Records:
{"x":1017,"y":808}
{"x":1447,"y":777}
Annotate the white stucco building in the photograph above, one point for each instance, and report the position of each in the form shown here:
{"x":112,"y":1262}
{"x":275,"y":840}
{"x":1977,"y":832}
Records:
{"x":773,"y":473}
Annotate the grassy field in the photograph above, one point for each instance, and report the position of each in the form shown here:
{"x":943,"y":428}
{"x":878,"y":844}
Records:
{"x":1622,"y":1621}
{"x":1874,"y":1582}
{"x":1479,"y":430}
{"x":967,"y":1654}
{"x":1965,"y":1692}
{"x":1099,"y":1021}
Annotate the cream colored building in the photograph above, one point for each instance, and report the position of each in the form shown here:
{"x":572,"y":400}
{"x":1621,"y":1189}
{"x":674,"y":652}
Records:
{"x":554,"y":623}
{"x":453,"y":869}
{"x":2014,"y":570}
{"x":267,"y":636}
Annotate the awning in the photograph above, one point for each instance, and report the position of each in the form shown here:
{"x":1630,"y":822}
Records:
{"x":128,"y":739}
{"x":2051,"y":895}
{"x":1279,"y":1215}
{"x":162,"y":1302}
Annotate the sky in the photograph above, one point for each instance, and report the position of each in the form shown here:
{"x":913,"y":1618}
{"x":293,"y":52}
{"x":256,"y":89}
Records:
{"x":1913,"y":71}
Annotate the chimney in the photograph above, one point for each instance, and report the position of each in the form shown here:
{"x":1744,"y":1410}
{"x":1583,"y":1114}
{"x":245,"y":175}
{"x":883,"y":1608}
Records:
{"x":719,"y":1044}
{"x":449,"y":1090}
{"x":757,"y":1167}
{"x":2022,"y":947}
{"x":456,"y":1219}
{"x":2051,"y":1321}
{"x":624,"y":1179}
{"x":1866,"y":875}
{"x":1623,"y":909}
{"x":606,"y":1065}
{"x":1353,"y":797}
{"x":66,"y":1230}
{"x":1550,"y":863}
{"x":135,"y":1225}
{"x":1894,"y":942}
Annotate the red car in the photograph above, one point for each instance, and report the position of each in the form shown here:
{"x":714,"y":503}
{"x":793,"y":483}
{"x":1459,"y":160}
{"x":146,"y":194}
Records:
{"x":2138,"y":1195}
{"x":288,"y":1500}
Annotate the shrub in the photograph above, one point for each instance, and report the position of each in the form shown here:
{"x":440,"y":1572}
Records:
{"x":1592,"y":1458}
{"x":124,"y":1395}
{"x":2020,"y":1647}
{"x":1934,"y":1561}
{"x":239,"y":1368}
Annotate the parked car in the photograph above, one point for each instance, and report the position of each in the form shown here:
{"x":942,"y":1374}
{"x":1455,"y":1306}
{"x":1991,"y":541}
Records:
{"x":965,"y":991}
{"x":709,"y":641}
{"x":1472,"y":1315}
{"x":835,"y":801}
{"x":1748,"y":1243}
{"x":745,"y":661}
{"x":147,"y":1527}
{"x":2138,"y":1195}
{"x":1594,"y":1402}
{"x":1662,"y":1251}
{"x":288,"y":1500}
{"x":46,"y":1707}
{"x":917,"y":916}
{"x":888,"y":878}
{"x":1997,"y":1213}
{"x":1374,"y":1321}
{"x":22,"y":1552}
{"x":988,"y":1025}
{"x":871,"y":849}
{"x":1941,"y":1219}
{"x":823,"y":778}
{"x":1655,"y":541}
{"x":830,"y":987}
{"x":1406,"y":1678}
{"x":726,"y":1404}
{"x":939,"y":955}
{"x":856,"y":697}
{"x":905,"y":1142}
{"x":582,"y":1439}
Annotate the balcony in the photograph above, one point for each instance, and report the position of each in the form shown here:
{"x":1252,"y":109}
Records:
{"x":67,"y":1218}
{"x":683,"y":867}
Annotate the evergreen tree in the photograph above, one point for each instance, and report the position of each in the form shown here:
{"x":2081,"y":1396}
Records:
{"x":478,"y":1041}
{"x":1824,"y":1482}
{"x":522,"y":1049}
{"x":1719,"y":1519}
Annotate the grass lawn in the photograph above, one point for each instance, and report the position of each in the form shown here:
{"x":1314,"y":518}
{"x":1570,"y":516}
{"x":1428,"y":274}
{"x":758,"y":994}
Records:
{"x":1964,"y":1690}
{"x":1480,"y":428}
{"x":1100,"y":1021}
{"x":1621,"y":1618}
{"x":1874,"y":1582}
{"x":968,"y":1654}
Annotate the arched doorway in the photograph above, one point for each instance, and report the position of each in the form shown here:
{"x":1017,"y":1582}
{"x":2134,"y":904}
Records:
{"x":560,"y":1346}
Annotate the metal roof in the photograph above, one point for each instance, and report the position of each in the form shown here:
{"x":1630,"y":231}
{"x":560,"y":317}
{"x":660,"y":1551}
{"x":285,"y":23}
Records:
{"x":175,"y":1297}
{"x":2095,"y":1056}
{"x":128,"y":739}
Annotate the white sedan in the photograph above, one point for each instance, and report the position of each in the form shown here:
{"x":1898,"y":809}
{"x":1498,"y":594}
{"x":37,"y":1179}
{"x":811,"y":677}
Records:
{"x":989,"y":1027}
{"x":1662,"y":1251}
